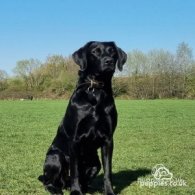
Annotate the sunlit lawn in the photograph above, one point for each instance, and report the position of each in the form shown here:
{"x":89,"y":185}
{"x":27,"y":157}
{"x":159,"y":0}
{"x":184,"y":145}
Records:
{"x":149,"y":132}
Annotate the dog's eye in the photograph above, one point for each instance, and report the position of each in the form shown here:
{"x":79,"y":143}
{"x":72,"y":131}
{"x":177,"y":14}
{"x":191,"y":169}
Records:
{"x":111,"y":51}
{"x":96,"y":51}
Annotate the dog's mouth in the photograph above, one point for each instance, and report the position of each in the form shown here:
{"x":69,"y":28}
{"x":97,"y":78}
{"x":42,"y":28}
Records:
{"x":108,"y":69}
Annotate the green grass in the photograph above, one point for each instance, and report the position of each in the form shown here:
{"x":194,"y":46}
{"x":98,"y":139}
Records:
{"x":148,"y":133}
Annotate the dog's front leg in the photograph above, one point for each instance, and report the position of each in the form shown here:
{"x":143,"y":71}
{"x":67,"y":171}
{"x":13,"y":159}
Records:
{"x":107,"y":165}
{"x":74,"y":173}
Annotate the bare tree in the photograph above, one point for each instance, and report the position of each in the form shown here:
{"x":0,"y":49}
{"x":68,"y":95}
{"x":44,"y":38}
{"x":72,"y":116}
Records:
{"x":137,"y":62}
{"x":3,"y":80}
{"x":26,"y":70}
{"x":184,"y":60}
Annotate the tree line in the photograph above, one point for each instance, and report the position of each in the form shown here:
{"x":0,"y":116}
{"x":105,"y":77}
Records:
{"x":153,"y":75}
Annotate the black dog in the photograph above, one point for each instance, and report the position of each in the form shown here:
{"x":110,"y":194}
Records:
{"x":89,"y":123}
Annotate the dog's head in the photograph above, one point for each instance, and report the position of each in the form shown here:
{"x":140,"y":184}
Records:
{"x":100,"y":57}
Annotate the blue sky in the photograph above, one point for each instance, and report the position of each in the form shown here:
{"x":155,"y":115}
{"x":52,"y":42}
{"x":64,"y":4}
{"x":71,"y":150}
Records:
{"x":38,"y":28}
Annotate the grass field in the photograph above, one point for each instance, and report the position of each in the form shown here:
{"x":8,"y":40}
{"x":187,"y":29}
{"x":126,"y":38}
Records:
{"x":149,"y":132}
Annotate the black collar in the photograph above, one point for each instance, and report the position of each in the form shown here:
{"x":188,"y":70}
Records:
{"x":91,"y":84}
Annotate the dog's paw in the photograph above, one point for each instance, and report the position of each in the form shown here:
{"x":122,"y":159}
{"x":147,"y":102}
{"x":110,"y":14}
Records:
{"x":76,"y":192}
{"x":109,"y":193}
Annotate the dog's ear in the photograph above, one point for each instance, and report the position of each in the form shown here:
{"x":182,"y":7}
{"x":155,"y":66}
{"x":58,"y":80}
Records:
{"x":122,"y":57}
{"x":80,"y":56}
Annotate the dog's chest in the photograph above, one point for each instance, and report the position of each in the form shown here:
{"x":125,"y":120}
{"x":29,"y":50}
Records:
{"x":98,"y":125}
{"x":95,"y":97}
{"x":94,"y":116}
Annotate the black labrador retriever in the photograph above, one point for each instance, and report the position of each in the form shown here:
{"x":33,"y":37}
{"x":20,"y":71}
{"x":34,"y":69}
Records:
{"x":89,"y":123}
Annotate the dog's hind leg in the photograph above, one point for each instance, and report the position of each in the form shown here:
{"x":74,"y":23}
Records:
{"x":89,"y":167}
{"x":93,"y":166}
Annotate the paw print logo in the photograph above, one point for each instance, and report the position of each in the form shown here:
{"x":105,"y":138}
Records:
{"x":160,"y":172}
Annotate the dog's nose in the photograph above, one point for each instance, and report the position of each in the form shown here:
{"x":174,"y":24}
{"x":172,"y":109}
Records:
{"x":108,"y":61}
